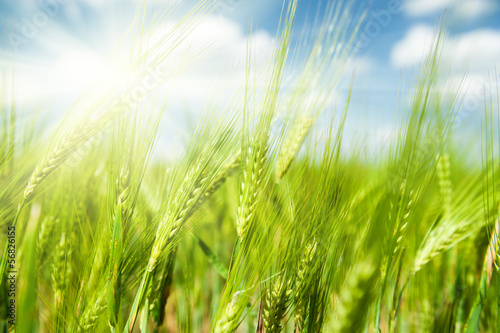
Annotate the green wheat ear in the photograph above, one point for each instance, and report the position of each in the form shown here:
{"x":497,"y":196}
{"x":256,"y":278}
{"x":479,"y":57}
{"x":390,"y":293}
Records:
{"x":227,"y":170}
{"x":276,"y":300}
{"x":161,"y":289}
{"x":292,"y":144}
{"x":444,"y":181}
{"x":229,"y":320}
{"x":255,"y":144}
{"x":305,"y":272}
{"x":46,"y":230}
{"x":253,"y":176}
{"x":79,"y":133}
{"x":93,"y":314}
{"x":356,"y":297}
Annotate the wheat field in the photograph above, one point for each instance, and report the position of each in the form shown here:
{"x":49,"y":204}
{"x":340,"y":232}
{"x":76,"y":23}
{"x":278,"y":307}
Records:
{"x":269,"y":221}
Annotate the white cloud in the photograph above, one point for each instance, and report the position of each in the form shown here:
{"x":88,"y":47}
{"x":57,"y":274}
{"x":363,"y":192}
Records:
{"x":425,"y":7}
{"x":414,"y":47}
{"x":460,"y":9}
{"x":475,"y":8}
{"x":477,"y":50}
{"x":223,"y":50}
{"x":215,"y":75}
{"x":472,"y":58}
{"x":222,"y":46}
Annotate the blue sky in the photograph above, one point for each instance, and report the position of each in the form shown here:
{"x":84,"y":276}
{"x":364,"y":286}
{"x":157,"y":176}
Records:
{"x":55,"y":61}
